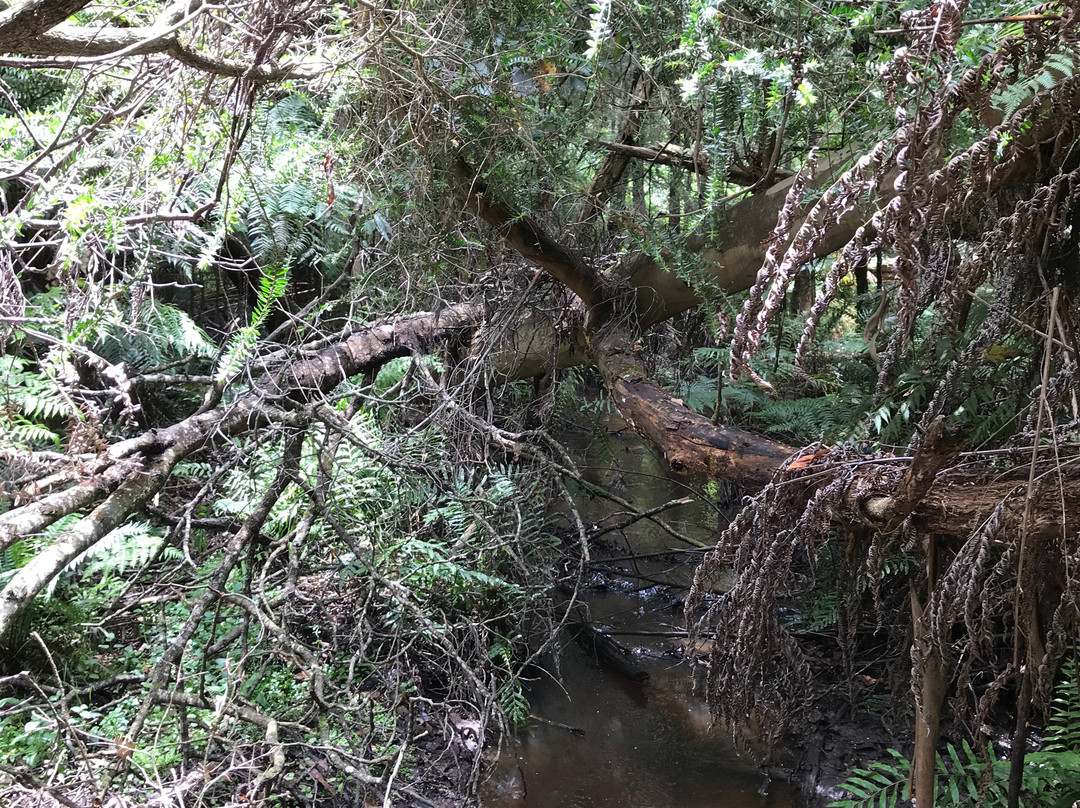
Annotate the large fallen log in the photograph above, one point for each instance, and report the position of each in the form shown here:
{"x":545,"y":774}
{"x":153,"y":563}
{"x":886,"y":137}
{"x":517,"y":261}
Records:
{"x":730,"y":257}
{"x":939,"y":497}
{"x":134,"y":471}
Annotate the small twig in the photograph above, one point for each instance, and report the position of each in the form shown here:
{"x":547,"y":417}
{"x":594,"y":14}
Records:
{"x":643,"y":515}
{"x":558,"y":725}
{"x":981,"y":21}
{"x":397,"y":766}
{"x":1026,"y":522}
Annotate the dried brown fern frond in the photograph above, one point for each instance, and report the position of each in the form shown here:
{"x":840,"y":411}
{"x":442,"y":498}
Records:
{"x":759,"y":677}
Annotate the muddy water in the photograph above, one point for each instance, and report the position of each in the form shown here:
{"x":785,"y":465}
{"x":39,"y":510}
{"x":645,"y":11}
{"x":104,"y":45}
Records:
{"x":645,"y":745}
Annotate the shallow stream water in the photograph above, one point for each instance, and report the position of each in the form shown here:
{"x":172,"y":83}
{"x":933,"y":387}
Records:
{"x":646,"y":745}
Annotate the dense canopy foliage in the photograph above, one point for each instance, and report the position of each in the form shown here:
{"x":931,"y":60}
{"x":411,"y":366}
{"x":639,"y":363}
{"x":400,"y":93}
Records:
{"x":293,"y":302}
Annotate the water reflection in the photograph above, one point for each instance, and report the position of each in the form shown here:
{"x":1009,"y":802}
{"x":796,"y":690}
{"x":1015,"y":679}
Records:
{"x":645,"y":745}
{"x":648,"y":746}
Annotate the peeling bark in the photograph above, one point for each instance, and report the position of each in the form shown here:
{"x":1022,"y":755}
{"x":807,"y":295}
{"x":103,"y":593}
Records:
{"x":689,"y":441}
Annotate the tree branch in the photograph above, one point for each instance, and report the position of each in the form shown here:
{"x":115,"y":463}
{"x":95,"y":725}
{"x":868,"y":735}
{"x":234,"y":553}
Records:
{"x":140,"y":467}
{"x":671,"y":154}
{"x":76,"y":46}
{"x":32,"y":18}
{"x":528,"y":238}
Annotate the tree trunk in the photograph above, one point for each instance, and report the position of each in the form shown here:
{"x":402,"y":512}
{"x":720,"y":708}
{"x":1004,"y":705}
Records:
{"x":885,"y":491}
{"x":931,"y":684}
{"x":137,"y":469}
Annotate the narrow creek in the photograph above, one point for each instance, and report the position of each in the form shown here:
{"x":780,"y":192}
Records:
{"x":649,"y":744}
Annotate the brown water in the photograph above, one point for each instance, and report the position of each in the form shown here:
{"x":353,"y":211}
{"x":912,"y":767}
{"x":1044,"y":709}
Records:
{"x":644,"y":745}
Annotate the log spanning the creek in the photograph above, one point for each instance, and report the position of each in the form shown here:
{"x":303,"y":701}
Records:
{"x":608,"y":652}
{"x":930,"y":488}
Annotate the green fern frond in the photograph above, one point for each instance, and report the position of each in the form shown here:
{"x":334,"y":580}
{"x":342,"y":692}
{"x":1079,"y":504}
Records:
{"x":1057,"y":67}
{"x":29,"y":396}
{"x":1063,"y":728}
{"x":128,"y":546}
{"x":883,"y":785}
{"x":162,"y":334}
{"x":272,"y":286}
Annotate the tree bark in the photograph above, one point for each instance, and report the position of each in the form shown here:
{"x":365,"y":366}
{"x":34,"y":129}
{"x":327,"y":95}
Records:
{"x":885,"y":491}
{"x":37,"y":28}
{"x":23,"y":22}
{"x":947,"y":501}
{"x":689,"y":441}
{"x":140,"y":467}
{"x":932,"y":689}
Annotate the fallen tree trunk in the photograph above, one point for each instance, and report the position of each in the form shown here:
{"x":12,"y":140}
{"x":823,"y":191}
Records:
{"x":950,"y":501}
{"x":953,"y":502}
{"x":731,"y":259}
{"x":137,"y":469}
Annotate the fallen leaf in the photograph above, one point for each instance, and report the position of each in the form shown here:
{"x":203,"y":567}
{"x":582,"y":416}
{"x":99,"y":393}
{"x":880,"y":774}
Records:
{"x":124,"y":747}
{"x":803,"y":462}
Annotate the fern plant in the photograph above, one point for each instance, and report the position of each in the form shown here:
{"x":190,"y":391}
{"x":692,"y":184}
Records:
{"x":127,"y":547}
{"x":161,"y":334}
{"x":964,"y":781}
{"x":882,"y":785}
{"x":1058,"y":66}
{"x":31,"y":404}
{"x":272,"y":286}
{"x":131,"y":545}
{"x":1051,"y":776}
